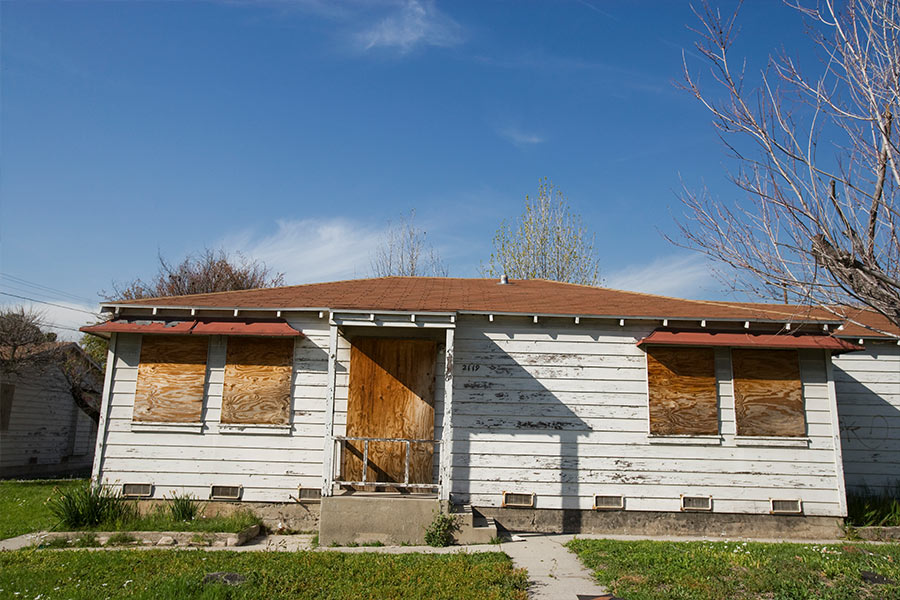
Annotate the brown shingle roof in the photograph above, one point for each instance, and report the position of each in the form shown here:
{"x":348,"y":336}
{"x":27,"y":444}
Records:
{"x":439,"y":294}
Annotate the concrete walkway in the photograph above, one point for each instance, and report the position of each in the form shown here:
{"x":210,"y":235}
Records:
{"x":554,"y":572}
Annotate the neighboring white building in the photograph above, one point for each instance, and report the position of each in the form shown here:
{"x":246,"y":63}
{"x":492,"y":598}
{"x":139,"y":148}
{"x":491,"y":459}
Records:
{"x":43,"y":431}
{"x":568,"y":399}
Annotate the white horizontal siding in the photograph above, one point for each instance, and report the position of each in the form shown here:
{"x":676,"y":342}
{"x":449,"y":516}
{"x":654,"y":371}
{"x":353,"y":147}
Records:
{"x":561,"y":410}
{"x":270,"y":467}
{"x":867,"y":385}
{"x":46,"y":427}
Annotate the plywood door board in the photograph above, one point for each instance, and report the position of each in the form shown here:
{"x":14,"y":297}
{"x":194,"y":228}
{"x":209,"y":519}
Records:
{"x":391,"y":395}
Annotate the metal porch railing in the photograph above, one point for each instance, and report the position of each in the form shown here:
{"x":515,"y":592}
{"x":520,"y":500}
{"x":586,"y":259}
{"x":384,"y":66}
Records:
{"x":341,"y":444}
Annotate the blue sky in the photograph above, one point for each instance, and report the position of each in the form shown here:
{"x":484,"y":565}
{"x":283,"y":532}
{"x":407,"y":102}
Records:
{"x":293,"y":131}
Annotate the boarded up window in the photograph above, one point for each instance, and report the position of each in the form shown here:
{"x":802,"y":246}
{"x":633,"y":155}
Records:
{"x":682,"y":385}
{"x":7,"y":391}
{"x":258,"y":381}
{"x":170,"y":379}
{"x":768,"y":394}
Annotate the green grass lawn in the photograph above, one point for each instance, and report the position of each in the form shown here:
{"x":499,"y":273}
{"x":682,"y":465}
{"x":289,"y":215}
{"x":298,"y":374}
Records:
{"x":176,"y":574}
{"x":23,"y":507}
{"x":740,"y":571}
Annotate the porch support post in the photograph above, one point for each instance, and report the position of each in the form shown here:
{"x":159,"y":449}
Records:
{"x":328,"y":454}
{"x":105,"y":401}
{"x":836,"y":435}
{"x":447,"y":423}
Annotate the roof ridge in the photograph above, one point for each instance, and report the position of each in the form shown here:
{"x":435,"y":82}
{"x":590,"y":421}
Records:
{"x":298,"y":285}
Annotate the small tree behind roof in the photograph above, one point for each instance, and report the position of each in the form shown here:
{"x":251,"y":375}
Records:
{"x":208,"y":271}
{"x":404,"y":250}
{"x":547,"y":241}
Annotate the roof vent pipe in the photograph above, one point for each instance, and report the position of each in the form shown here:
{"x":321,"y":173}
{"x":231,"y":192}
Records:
{"x":504,"y":279}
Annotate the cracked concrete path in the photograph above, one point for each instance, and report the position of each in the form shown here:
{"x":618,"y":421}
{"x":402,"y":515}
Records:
{"x":554,"y":572}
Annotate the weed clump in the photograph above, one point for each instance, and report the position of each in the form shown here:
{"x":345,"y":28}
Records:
{"x":440,"y":532}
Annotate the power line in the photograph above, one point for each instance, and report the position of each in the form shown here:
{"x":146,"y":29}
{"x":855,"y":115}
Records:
{"x":58,"y":326}
{"x":50,"y":303}
{"x":15,"y":287}
{"x":44,"y":288}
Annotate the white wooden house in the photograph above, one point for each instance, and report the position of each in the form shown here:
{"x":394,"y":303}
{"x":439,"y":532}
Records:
{"x":542,"y":404}
{"x":43,"y":430}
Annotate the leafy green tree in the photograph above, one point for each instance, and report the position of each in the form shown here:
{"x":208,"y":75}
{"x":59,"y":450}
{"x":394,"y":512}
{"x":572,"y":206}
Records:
{"x":547,"y":241}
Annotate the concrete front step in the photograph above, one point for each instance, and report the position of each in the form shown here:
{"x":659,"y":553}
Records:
{"x":474,"y":528}
{"x":394,"y":520}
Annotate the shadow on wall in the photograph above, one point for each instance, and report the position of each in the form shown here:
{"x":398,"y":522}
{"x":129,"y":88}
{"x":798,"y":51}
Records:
{"x":870,"y":427}
{"x":519,"y":428}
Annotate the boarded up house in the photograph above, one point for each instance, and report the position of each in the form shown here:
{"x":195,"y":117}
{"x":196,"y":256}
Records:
{"x":545,"y":405}
{"x":46,"y":428}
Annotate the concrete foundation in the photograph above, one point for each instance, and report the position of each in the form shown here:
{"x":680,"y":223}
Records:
{"x":391,"y":519}
{"x":375,"y":518}
{"x":294,"y":517}
{"x":665,"y":523}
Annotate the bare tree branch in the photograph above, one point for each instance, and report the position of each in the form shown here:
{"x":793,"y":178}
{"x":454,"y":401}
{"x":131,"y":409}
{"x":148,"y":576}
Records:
{"x":815,"y":227}
{"x":405,"y":251}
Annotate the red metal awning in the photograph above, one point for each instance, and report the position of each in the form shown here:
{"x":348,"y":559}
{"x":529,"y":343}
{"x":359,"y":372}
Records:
{"x":253,"y":327}
{"x":179,"y":326}
{"x":243,"y":327}
{"x":746,"y":340}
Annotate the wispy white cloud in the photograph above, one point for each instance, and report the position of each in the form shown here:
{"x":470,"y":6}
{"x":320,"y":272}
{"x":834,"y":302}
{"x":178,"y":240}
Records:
{"x":520,"y":137}
{"x":683,"y":275}
{"x":414,"y":23}
{"x":311,"y":250}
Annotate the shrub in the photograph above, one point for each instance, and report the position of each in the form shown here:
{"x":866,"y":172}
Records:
{"x":89,"y":506}
{"x":183,"y":508}
{"x":440,"y":532}
{"x":866,"y":508}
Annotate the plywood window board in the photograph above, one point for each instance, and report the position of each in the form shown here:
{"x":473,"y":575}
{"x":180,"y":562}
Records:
{"x":258,"y":381}
{"x":171,"y":376}
{"x":682,"y":386}
{"x":768,"y":393}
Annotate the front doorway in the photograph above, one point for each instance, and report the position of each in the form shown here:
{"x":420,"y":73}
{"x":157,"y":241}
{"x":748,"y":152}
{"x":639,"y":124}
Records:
{"x":390,"y":397}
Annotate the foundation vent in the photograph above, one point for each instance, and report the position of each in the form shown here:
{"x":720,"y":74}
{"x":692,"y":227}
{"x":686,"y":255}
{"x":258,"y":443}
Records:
{"x":696,"y":503}
{"x":137,"y":490}
{"x":609,"y":502}
{"x":787,"y":507}
{"x":514,"y":500}
{"x":309,"y":494}
{"x":225,"y":492}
